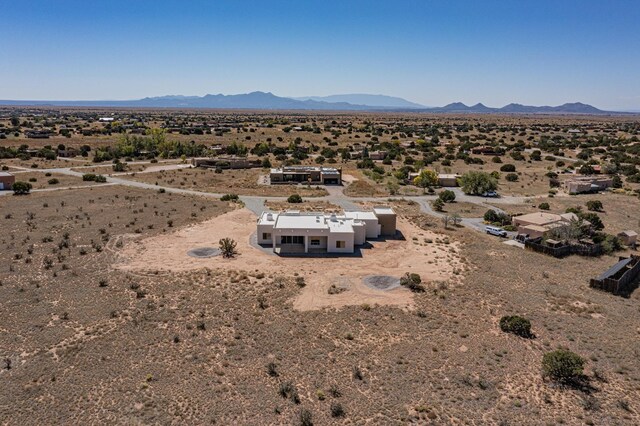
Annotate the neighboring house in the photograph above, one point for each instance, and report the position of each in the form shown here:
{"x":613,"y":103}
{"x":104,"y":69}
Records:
{"x":444,"y":179}
{"x":583,"y":184}
{"x":68,"y":152}
{"x":106,"y":119}
{"x":294,"y":232}
{"x":6,"y":181}
{"x":378,"y":155}
{"x":628,"y":238}
{"x":38,"y":134}
{"x":306,"y":174}
{"x":538,"y":224}
{"x":448,"y":179}
{"x":226,"y":162}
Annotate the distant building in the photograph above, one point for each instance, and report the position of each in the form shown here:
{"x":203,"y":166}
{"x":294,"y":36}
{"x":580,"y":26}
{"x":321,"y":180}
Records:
{"x":106,"y":119}
{"x":583,"y":184}
{"x":294,"y":232}
{"x":444,"y":179}
{"x":6,"y":181}
{"x":306,"y":174}
{"x":378,"y":155}
{"x":628,"y":238}
{"x":38,"y":134}
{"x":226,"y":162}
{"x":487,"y":150}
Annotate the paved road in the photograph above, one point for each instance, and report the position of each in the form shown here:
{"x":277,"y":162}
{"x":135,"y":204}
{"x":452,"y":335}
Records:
{"x":257,"y":203}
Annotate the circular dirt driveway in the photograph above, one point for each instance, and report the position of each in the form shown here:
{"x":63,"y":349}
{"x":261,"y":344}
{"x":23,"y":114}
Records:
{"x":204,"y":252}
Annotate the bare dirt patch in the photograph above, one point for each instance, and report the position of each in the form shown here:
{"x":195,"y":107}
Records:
{"x":166,"y":253}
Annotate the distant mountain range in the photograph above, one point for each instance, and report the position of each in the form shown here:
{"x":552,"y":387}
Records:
{"x":353,"y":102}
{"x":379,"y":101}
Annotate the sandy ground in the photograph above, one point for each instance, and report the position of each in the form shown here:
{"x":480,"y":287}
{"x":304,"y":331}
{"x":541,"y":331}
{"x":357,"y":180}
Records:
{"x":168,"y":253}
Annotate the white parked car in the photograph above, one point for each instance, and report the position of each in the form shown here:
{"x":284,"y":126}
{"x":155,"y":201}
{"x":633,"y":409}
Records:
{"x":494,"y":230}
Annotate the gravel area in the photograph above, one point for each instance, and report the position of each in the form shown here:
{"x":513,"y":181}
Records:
{"x":381,"y":282}
{"x":204,"y":252}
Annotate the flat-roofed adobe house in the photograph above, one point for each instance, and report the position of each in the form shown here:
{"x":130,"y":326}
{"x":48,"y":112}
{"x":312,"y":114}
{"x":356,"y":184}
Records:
{"x":306,"y":174}
{"x":537,"y":224}
{"x":295,"y":232}
{"x":6,"y":181}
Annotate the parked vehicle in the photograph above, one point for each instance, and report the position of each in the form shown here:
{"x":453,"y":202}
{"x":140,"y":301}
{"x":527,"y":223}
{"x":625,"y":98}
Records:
{"x":494,"y":230}
{"x":490,"y":194}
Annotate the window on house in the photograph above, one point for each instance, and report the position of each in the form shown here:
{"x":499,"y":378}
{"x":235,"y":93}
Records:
{"x":340,"y":244}
{"x":315,"y":242}
{"x":266,"y":236}
{"x":291,"y":239}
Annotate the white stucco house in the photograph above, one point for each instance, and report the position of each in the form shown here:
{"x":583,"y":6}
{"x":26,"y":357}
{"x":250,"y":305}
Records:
{"x":296,"y":232}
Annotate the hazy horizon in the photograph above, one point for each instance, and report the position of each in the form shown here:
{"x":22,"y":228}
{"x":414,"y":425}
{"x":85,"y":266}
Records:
{"x":431,"y":53}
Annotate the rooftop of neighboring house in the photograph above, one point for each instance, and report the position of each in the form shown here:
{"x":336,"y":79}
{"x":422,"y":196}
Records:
{"x":542,"y":218}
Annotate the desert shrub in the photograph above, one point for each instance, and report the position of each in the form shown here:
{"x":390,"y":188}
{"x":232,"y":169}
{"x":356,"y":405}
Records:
{"x":493,"y":216}
{"x":517,"y":325}
{"x":228,"y":247}
{"x":544,"y":206}
{"x":229,"y":197}
{"x":594,"y":219}
{"x":272,"y":369}
{"x":611,"y":244}
{"x":288,"y":390}
{"x":508,"y":168}
{"x":306,"y":418}
{"x":562,"y":365}
{"x":337,"y":410}
{"x":438,"y":204}
{"x":447,"y":196}
{"x":89,"y":177}
{"x":294,"y":199}
{"x":594,"y":205}
{"x":21,"y":188}
{"x":511,"y":177}
{"x":53,"y":181}
{"x":413,"y":282}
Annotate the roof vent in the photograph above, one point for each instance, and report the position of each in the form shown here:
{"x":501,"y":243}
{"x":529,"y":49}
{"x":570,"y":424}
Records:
{"x":269,"y":216}
{"x":334,"y":218}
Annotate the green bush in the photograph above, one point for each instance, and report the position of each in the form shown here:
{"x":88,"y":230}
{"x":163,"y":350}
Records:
{"x":508,"y":168}
{"x":447,"y":196}
{"x":21,"y":188}
{"x":53,"y":181}
{"x":294,"y":199}
{"x":89,"y":177}
{"x":594,"y":205}
{"x":229,"y":197}
{"x":517,"y":325}
{"x":413,"y":282}
{"x":511,"y":177}
{"x":438,"y":204}
{"x":544,"y":206}
{"x":562,"y":365}
{"x":477,"y":183}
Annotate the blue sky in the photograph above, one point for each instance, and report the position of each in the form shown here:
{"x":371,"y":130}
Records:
{"x":432,"y":52}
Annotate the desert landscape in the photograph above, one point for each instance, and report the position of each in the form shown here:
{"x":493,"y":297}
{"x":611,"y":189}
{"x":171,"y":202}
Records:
{"x":119,"y":306}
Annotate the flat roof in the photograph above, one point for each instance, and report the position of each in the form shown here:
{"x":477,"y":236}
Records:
{"x":361,"y":215}
{"x":5,"y":174}
{"x":340,"y":225}
{"x":383,"y":210}
{"x":300,"y":221}
{"x":539,"y":218}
